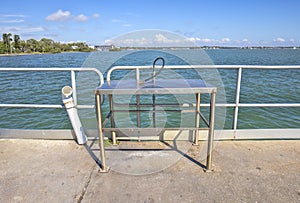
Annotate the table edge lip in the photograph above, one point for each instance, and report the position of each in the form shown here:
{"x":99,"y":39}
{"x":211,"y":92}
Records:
{"x":155,"y":90}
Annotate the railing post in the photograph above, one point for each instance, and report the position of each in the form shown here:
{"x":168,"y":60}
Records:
{"x":237,"y":98}
{"x":137,"y":75}
{"x":73,"y":79}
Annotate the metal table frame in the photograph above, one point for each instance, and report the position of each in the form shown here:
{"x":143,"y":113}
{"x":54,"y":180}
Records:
{"x":128,"y":87}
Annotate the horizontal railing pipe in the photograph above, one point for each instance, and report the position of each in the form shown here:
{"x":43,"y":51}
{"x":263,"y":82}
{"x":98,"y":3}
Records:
{"x":237,"y":103}
{"x":138,"y":69}
{"x":73,"y":81}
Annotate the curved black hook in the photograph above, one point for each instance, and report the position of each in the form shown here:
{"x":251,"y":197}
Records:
{"x":153,"y":68}
{"x":162,"y":66}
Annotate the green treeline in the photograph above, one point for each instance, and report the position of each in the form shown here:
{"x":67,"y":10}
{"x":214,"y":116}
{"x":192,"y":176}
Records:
{"x":12,"y":44}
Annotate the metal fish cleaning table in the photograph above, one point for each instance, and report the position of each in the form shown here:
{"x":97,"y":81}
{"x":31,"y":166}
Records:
{"x":155,"y":87}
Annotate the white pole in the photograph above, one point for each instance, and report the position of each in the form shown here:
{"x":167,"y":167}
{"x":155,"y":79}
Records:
{"x":237,"y":98}
{"x":73,"y":115}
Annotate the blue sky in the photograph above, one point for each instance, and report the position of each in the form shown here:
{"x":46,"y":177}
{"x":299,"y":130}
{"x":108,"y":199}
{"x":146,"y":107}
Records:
{"x":210,"y":22}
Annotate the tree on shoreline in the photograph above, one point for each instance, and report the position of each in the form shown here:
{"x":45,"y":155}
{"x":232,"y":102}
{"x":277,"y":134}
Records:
{"x":7,"y":41}
{"x":17,"y":42}
{"x":34,"y":46}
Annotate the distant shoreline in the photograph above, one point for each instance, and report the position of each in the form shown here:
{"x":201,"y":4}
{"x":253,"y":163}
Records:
{"x":213,"y":47}
{"x":38,"y":53}
{"x":171,"y":48}
{"x":22,"y":54}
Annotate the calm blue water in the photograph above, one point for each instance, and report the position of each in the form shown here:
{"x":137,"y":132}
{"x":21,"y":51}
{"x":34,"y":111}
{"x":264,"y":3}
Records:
{"x":258,"y":86}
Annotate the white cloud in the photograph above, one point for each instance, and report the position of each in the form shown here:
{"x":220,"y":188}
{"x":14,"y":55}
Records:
{"x":197,"y":39}
{"x":128,"y":41}
{"x":279,"y":39}
{"x":20,"y":30}
{"x":193,"y":39}
{"x":13,"y":18}
{"x":81,"y":18}
{"x":96,"y":15}
{"x":62,"y":16}
{"x":59,"y":16}
{"x":148,"y":39}
{"x":161,"y":38}
{"x":12,"y":21}
{"x":13,"y":15}
{"x":158,"y":38}
{"x":225,"y":40}
{"x":207,"y":40}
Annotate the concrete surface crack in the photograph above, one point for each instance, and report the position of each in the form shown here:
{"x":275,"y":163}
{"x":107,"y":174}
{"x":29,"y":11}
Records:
{"x":87,"y":182}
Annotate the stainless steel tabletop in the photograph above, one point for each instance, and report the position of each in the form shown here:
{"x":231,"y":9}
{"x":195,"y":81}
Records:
{"x":159,"y":86}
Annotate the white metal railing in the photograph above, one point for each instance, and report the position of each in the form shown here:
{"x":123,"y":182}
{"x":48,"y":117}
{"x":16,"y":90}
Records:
{"x":73,"y":81}
{"x":237,"y":103}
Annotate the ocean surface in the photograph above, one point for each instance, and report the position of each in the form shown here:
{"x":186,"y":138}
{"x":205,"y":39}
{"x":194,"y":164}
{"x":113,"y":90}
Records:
{"x":258,"y":86}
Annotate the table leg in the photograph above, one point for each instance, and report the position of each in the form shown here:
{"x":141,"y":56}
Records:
{"x":197,"y":119}
{"x":211,"y":131}
{"x":153,"y":110}
{"x":104,"y":168}
{"x":112,"y":119}
{"x":138,"y":114}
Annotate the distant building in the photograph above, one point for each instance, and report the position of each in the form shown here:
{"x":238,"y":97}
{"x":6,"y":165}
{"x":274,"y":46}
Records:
{"x":74,"y":47}
{"x":104,"y":47}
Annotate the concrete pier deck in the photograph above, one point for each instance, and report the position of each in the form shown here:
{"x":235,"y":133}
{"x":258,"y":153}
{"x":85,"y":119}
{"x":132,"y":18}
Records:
{"x":62,"y":171}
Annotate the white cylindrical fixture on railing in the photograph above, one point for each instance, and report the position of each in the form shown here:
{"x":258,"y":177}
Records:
{"x":73,"y":115}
